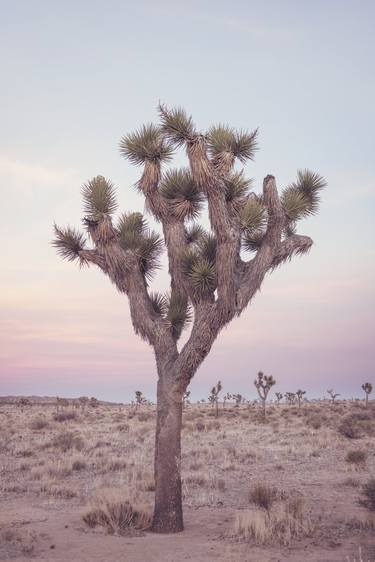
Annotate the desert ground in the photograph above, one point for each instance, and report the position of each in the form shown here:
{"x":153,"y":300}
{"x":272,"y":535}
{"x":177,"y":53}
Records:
{"x":77,"y":484}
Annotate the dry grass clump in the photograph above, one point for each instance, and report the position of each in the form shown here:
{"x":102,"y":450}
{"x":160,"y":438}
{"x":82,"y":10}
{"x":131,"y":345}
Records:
{"x":356,"y":457}
{"x":280,"y":525}
{"x":68,"y":440}
{"x":368,"y":492}
{"x":15,"y":541}
{"x":117,"y":516}
{"x":263,"y":495}
{"x":65,"y":416}
{"x":355,"y":425}
{"x":38,"y":423}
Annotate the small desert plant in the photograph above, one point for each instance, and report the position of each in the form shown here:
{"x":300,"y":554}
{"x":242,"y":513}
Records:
{"x":65,"y":416}
{"x":263,"y":495}
{"x":299,"y":395}
{"x":367,"y":388}
{"x":290,"y":398}
{"x":277,"y":526}
{"x":67,"y":440}
{"x":357,"y":457}
{"x":38,"y":424}
{"x":333,"y":395}
{"x":368,"y":493}
{"x":279,"y":397}
{"x":117,"y":516}
{"x":263,"y":383}
{"x":214,"y":397}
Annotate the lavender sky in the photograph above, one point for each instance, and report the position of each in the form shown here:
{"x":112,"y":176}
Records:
{"x":78,"y":75}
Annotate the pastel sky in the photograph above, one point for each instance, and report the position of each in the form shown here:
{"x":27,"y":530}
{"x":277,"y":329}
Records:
{"x":78,"y":75}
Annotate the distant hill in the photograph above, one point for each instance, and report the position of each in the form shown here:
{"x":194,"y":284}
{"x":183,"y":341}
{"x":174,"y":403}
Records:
{"x":45,"y":400}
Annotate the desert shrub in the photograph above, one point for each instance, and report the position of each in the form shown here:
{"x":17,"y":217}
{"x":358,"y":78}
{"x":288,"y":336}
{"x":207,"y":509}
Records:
{"x":357,"y":424}
{"x":262,"y":495}
{"x":60,"y":492}
{"x":145,"y":416}
{"x":315,"y":422}
{"x":78,"y":465}
{"x":280,"y":525}
{"x":64,"y":416}
{"x":200,"y":426}
{"x":123,"y":427}
{"x":68,"y":440}
{"x":115,"y":515}
{"x":38,"y":423}
{"x":356,"y":457}
{"x":352,"y":482}
{"x":368,"y":493}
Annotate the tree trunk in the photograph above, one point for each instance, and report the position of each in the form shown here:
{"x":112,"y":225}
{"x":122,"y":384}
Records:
{"x":168,"y":495}
{"x":264,"y":409}
{"x":366,"y":402}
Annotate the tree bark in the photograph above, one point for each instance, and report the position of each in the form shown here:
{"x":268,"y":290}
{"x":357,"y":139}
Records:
{"x":168,"y":494}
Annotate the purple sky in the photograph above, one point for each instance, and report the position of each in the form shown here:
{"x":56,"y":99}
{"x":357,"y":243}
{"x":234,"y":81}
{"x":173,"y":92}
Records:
{"x":77,"y":76}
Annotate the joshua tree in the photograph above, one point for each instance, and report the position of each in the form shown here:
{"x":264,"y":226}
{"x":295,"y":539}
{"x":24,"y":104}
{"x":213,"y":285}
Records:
{"x":263,"y":384}
{"x":139,"y":399}
{"x":299,"y":395}
{"x":211,"y":281}
{"x":237,"y":399}
{"x":93,"y":402}
{"x":228,"y":396}
{"x":23,"y":402}
{"x":367,"y":388}
{"x":214,"y":397}
{"x":83,"y":402}
{"x":290,"y":397}
{"x":61,"y":403}
{"x":332,"y":395}
{"x":185,"y":398}
{"x":279,"y":397}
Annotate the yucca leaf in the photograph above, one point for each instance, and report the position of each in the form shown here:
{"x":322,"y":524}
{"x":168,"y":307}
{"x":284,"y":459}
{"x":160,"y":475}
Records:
{"x":251,"y":241}
{"x":310,"y":185}
{"x":148,"y":251}
{"x":132,"y":222}
{"x":159,"y":303}
{"x":203,"y":277}
{"x":295,"y":203}
{"x":178,"y":313}
{"x":69,"y":242}
{"x":183,"y":196}
{"x":253,"y":215}
{"x":147,"y":143}
{"x":99,"y":197}
{"x":221,"y":138}
{"x":236,"y":186}
{"x":246,"y":145}
{"x":176,"y":126}
{"x":207,"y":245}
{"x":194,"y":233}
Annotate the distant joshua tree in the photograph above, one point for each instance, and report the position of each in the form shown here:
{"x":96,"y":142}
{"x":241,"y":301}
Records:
{"x":333,"y":395}
{"x":23,"y":403}
{"x":93,"y":402}
{"x":228,"y":396}
{"x":212,"y":280}
{"x":214,"y":397}
{"x":290,"y":397}
{"x":367,"y":388}
{"x":299,"y":395}
{"x":61,"y":403}
{"x":140,"y":400}
{"x":237,"y":399}
{"x":279,"y":397}
{"x":263,"y":383}
{"x":185,"y":399}
{"x":83,"y":402}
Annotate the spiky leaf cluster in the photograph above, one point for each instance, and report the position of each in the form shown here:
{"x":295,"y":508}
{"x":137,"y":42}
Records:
{"x":236,"y":187}
{"x":194,"y":233}
{"x":148,"y":143}
{"x":134,"y":234}
{"x":224,"y":139}
{"x":182,"y":194}
{"x":302,"y":197}
{"x":99,"y":198}
{"x":178,"y":313}
{"x":176,"y":126}
{"x":253,"y":218}
{"x":199,"y":265}
{"x":367,"y":387}
{"x":69,"y":242}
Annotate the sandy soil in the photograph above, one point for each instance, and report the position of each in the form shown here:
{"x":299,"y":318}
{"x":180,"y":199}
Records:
{"x":43,"y":496}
